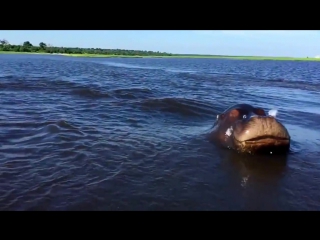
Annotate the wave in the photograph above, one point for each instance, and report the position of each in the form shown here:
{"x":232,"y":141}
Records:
{"x":180,"y":106}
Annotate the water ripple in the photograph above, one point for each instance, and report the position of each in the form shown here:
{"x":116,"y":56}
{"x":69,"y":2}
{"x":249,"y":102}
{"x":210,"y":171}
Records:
{"x":129,"y":134}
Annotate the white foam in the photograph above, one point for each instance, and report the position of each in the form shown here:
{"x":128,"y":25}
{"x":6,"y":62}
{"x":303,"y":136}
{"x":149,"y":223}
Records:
{"x":273,"y":112}
{"x":126,"y":65}
{"x":229,"y":131}
{"x":176,"y":70}
{"x":244,"y":181}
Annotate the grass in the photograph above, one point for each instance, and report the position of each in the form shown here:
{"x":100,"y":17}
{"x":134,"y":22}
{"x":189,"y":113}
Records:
{"x":178,"y":56}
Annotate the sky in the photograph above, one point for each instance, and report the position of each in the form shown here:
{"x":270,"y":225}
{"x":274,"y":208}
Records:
{"x":286,"y":43}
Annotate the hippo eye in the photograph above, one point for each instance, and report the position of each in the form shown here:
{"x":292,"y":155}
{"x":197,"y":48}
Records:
{"x":220,"y":116}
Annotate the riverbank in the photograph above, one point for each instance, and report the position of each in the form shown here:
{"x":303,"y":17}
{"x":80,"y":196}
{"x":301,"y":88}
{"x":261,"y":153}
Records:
{"x":173,"y":56}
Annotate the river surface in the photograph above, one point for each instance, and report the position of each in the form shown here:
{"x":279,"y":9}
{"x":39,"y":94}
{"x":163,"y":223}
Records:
{"x":131,"y":134}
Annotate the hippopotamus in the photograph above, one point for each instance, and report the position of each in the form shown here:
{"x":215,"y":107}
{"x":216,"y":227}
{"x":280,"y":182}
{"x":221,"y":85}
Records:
{"x":249,"y":129}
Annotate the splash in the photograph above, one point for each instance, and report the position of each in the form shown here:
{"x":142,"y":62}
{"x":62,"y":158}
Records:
{"x":229,"y":131}
{"x":273,"y":112}
{"x":244,"y":181}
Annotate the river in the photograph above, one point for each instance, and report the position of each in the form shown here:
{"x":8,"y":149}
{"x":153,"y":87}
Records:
{"x":130,"y":134}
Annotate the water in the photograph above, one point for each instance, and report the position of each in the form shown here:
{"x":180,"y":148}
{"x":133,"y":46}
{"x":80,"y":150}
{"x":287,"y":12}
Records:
{"x":130,"y":134}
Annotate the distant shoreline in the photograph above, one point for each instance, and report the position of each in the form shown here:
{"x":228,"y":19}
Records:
{"x":172,"y":56}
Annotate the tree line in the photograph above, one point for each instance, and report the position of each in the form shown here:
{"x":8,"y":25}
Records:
{"x":47,"y":48}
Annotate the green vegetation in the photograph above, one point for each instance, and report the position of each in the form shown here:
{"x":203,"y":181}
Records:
{"x":43,"y":48}
{"x":27,"y":47}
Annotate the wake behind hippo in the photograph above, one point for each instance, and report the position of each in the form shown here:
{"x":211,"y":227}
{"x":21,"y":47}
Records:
{"x":245,"y":128}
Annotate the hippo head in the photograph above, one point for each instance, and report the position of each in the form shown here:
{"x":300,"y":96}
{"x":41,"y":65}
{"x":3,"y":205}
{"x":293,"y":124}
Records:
{"x":248,"y":129}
